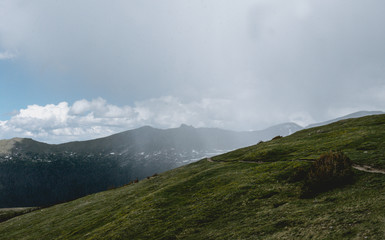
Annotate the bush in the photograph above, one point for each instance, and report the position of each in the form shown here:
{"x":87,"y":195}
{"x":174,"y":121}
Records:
{"x":330,"y":170}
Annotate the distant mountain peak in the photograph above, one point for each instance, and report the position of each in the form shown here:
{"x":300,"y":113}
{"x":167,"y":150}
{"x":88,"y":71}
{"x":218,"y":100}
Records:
{"x":185,"y":126}
{"x":146,"y":127}
{"x":351,"y":115}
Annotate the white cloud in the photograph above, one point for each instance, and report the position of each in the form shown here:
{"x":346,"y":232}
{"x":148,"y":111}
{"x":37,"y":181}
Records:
{"x":255,"y":61}
{"x":7,"y":55}
{"x":80,"y":107}
{"x":96,"y":118}
{"x":84,"y":119}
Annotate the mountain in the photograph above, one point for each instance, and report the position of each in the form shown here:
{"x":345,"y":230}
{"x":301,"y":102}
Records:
{"x":352,"y":115}
{"x":234,"y":196}
{"x":35,"y":174}
{"x":148,"y":140}
{"x":283,"y":129}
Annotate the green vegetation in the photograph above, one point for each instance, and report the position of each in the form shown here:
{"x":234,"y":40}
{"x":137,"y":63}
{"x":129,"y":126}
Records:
{"x":233,"y":199}
{"x":8,"y":213}
{"x":330,"y":170}
{"x":38,"y":174}
{"x":361,"y":139}
{"x":213,"y":201}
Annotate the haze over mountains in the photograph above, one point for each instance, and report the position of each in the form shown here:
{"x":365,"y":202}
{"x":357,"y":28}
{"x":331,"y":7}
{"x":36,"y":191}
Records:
{"x":185,"y":142}
{"x":137,"y":119}
{"x":148,"y":139}
{"x":33,"y":173}
{"x":253,"y":192}
{"x":352,"y":115}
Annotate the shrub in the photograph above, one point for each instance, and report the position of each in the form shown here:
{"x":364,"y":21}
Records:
{"x":330,"y":170}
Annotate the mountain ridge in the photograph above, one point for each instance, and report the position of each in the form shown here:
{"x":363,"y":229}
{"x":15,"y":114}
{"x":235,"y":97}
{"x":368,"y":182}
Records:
{"x":348,"y":116}
{"x":33,"y":173}
{"x":264,"y":134}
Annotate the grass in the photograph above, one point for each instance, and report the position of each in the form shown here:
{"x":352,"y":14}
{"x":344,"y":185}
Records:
{"x":230,"y":199}
{"x":8,"y":213}
{"x":361,"y":139}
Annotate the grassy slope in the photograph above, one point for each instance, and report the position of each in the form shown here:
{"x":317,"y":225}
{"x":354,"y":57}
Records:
{"x":231,"y":200}
{"x":8,"y":213}
{"x":362,"y":139}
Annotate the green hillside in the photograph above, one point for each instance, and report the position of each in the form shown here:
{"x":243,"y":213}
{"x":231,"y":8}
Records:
{"x":38,"y":174}
{"x":362,"y":139}
{"x":245,"y":194}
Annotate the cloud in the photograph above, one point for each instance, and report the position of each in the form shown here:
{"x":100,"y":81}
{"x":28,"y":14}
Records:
{"x":96,"y":118}
{"x":84,"y":119}
{"x":234,"y":64}
{"x":35,"y":117}
{"x":7,"y":55}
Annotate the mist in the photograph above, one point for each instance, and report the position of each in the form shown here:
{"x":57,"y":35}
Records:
{"x":237,"y":65}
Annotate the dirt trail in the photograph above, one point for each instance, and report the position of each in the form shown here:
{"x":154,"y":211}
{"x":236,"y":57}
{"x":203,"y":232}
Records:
{"x":369,"y":169}
{"x":364,"y":168}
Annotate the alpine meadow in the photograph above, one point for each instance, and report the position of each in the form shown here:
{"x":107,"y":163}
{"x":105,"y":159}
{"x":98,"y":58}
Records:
{"x":196,"y":120}
{"x":250,"y":193}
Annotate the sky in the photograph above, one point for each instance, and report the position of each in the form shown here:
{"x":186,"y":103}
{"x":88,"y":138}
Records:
{"x":76,"y":70}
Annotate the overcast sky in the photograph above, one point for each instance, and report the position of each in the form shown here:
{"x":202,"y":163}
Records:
{"x":73,"y":70}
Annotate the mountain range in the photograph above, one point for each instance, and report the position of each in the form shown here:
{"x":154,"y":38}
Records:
{"x":254,"y":192}
{"x":33,"y":173}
